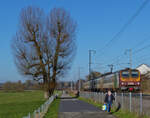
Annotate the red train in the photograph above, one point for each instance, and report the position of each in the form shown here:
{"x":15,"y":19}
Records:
{"x":123,"y":80}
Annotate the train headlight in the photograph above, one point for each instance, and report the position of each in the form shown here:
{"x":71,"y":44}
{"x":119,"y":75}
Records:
{"x":122,"y":83}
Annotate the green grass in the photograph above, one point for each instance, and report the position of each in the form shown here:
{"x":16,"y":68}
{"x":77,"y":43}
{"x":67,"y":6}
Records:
{"x":54,"y":108}
{"x":19,"y":104}
{"x":127,"y":114}
{"x":57,"y":92}
{"x":119,"y":114}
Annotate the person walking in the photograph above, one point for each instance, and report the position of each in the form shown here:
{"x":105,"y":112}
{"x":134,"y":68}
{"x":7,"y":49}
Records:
{"x":109,"y":98}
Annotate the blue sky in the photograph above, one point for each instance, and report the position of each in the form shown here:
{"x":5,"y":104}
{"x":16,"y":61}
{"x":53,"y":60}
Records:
{"x":98,"y":21}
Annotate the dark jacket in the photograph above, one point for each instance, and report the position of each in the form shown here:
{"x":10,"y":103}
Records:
{"x":111,"y":98}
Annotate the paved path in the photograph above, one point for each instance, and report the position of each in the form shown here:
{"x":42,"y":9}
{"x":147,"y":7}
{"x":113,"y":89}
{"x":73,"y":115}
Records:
{"x":74,"y":108}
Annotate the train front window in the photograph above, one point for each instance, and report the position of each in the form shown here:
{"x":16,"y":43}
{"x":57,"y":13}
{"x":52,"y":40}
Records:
{"x":125,"y":74}
{"x":134,"y":74}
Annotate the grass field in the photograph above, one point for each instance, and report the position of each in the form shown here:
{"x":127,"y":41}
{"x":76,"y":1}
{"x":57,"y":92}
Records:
{"x":18,"y":104}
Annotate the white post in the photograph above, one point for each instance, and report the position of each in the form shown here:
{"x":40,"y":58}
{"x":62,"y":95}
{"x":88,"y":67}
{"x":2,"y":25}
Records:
{"x":115,"y":99}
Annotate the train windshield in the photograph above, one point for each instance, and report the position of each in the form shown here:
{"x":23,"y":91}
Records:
{"x":125,"y":74}
{"x":134,"y":74}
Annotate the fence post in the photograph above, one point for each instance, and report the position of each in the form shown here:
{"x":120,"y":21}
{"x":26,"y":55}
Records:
{"x":122,"y":100}
{"x":34,"y":114}
{"x":95,"y":96}
{"x":99,"y":97}
{"x":39,"y":112}
{"x":141,"y":104}
{"x":29,"y":116}
{"x":115,"y":99}
{"x":130,"y":101}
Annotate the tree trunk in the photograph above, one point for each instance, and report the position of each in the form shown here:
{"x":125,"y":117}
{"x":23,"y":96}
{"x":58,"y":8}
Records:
{"x":46,"y":90}
{"x":49,"y":88}
{"x":46,"y":94}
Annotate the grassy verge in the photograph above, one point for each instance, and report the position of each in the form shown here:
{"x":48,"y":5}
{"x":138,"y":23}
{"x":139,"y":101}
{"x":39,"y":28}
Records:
{"x":72,"y":94}
{"x":119,"y":114}
{"x":127,"y":114}
{"x":54,"y":108}
{"x":19,"y":104}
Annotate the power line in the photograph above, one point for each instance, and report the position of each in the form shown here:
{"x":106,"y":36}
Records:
{"x":129,"y":22}
{"x":141,"y":42}
{"x":141,"y":49}
{"x":115,"y":37}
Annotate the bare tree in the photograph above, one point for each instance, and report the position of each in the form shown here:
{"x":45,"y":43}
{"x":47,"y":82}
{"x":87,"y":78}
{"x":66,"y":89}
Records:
{"x":44,"y":46}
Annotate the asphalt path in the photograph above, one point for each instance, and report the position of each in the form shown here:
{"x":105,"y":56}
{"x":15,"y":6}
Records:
{"x":74,"y":108}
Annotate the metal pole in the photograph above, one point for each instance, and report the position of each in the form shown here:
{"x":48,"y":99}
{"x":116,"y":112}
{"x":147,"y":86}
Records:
{"x":71,"y":86}
{"x":130,"y":101}
{"x":90,"y":69}
{"x":90,"y":62}
{"x":111,"y":67}
{"x":122,"y":99}
{"x":115,"y":99}
{"x":79,"y":79}
{"x":102,"y":97}
{"x":29,"y":115}
{"x":99,"y":97}
{"x":130,"y":58}
{"x":141,"y":104}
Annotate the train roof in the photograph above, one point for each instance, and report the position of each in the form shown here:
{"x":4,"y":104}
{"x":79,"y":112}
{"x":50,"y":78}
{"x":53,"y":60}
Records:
{"x":109,"y":73}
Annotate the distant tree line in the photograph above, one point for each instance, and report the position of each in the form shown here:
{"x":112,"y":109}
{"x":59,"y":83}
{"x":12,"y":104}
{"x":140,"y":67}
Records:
{"x":19,"y":86}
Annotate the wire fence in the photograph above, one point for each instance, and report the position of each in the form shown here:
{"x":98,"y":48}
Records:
{"x":40,"y":112}
{"x":133,"y":102}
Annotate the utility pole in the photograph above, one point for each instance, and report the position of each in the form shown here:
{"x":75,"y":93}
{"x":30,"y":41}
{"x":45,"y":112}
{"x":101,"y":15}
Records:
{"x":111,"y":67}
{"x":71,"y":86}
{"x":79,"y":78}
{"x":79,"y":86}
{"x":90,"y":62}
{"x":130,"y":56}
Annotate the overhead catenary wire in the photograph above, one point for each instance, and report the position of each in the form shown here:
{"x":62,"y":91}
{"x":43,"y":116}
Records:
{"x":141,"y":49}
{"x":115,"y":37}
{"x":141,"y":42}
{"x":132,"y":18}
